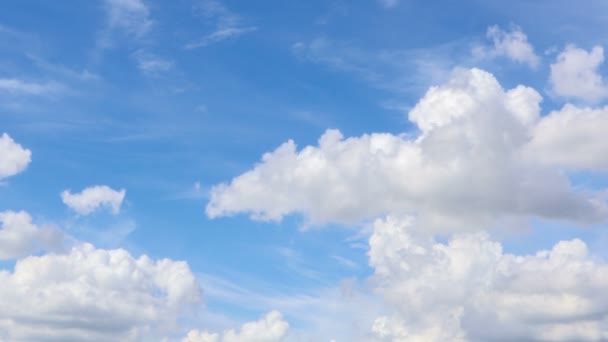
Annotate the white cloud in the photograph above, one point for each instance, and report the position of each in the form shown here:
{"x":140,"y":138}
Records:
{"x":20,"y":87}
{"x":221,"y":35}
{"x":19,"y":236}
{"x":511,"y":44}
{"x":575,"y":74}
{"x":13,"y":157}
{"x":92,"y":295}
{"x":398,"y":71}
{"x":130,"y":16}
{"x":465,"y":170}
{"x":151,"y":64}
{"x":93,"y":198}
{"x":572,"y":137}
{"x":468,"y":289}
{"x":228,"y":25}
{"x":270,"y":328}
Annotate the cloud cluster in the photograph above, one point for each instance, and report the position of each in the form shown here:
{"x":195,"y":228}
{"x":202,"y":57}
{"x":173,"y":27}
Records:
{"x":470,"y":165}
{"x":13,"y":157}
{"x":468,"y":289}
{"x":270,"y":328}
{"x":94,"y":198}
{"x":92,"y":294}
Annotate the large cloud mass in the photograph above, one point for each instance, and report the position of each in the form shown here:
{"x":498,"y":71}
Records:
{"x":92,"y":295}
{"x":468,"y":289}
{"x":469,"y":165}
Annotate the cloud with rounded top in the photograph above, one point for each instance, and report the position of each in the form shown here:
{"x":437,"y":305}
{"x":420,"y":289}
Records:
{"x":94,"y":198}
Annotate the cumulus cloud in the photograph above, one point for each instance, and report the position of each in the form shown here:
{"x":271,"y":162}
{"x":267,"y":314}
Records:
{"x":19,"y":236}
{"x":465,"y":169}
{"x":468,"y":289}
{"x":94,"y":198}
{"x":572,"y":137}
{"x":13,"y":157}
{"x":92,"y":294}
{"x":575,"y":74}
{"x":510,"y":44}
{"x":270,"y":328}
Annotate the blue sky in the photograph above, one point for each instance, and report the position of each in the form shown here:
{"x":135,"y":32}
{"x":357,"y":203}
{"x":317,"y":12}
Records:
{"x":170,"y":100}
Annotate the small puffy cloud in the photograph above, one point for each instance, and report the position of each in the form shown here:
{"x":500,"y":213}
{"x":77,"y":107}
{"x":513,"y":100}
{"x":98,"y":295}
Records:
{"x":19,"y":236}
{"x":270,"y":328}
{"x":572,"y":137}
{"x":13,"y":157}
{"x":93,"y":198}
{"x":512,"y":44}
{"x":464,"y":170}
{"x":575,"y":74}
{"x":468,"y":289}
{"x":92,"y":294}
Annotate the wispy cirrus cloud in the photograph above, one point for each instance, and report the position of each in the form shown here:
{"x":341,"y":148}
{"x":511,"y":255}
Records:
{"x":132,"y":17}
{"x":227,"y":24}
{"x":151,"y":64}
{"x":16,"y":86}
{"x":397,"y":71}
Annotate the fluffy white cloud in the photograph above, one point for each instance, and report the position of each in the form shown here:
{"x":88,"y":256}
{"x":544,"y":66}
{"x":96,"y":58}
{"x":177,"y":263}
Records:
{"x":511,"y":44}
{"x":572,"y":137}
{"x":465,"y":169}
{"x":270,"y":328}
{"x":93,"y":198}
{"x":19,"y":236}
{"x":13,"y":157}
{"x":469,"y":290}
{"x":92,"y":295}
{"x":575,"y":74}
